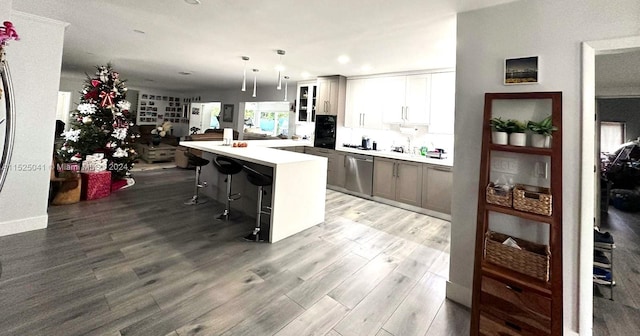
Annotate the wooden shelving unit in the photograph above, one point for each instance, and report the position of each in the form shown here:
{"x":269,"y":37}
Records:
{"x":505,"y":301}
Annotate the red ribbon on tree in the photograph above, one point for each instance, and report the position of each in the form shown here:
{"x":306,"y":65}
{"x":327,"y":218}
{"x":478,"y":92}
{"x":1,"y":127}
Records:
{"x":107,"y":98}
{"x":95,"y":82}
{"x":92,"y":95}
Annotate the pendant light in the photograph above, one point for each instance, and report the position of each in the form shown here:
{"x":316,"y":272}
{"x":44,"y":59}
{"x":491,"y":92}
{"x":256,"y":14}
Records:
{"x":286,"y":86}
{"x":244,"y":73}
{"x":255,"y":71}
{"x":280,"y":68}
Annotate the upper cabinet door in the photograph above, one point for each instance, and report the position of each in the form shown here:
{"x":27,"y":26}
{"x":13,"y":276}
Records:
{"x":417,"y":102}
{"x":443,"y":99}
{"x":392,"y":98}
{"x":355,"y":104}
{"x":331,"y":95}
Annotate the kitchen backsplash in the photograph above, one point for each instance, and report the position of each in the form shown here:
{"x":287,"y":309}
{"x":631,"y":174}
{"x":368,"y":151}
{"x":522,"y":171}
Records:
{"x":396,"y":136}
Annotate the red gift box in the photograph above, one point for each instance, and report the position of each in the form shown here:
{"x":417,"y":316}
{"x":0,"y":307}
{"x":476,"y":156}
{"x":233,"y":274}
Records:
{"x":96,"y":185}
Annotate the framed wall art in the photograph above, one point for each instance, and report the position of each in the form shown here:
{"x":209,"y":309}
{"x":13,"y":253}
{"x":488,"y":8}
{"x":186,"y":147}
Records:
{"x":523,"y":70}
{"x":227,"y":113}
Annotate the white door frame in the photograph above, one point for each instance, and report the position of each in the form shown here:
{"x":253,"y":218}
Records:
{"x":587,"y":171}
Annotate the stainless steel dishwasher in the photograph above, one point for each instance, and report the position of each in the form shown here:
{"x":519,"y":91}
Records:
{"x":359,"y":173}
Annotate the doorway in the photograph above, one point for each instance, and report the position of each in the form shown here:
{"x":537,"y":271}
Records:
{"x":204,"y":116}
{"x":63,"y":109}
{"x":589,"y":169}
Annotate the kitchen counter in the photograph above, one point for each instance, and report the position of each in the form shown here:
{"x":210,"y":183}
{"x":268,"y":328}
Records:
{"x":448,"y":162}
{"x":297,"y":201}
{"x":257,"y":151}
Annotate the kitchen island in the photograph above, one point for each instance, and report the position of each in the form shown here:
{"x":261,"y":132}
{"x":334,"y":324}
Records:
{"x":299,"y":182}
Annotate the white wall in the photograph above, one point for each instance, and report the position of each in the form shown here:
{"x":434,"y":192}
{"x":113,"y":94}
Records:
{"x":35,"y":69}
{"x":5,"y":7}
{"x":554,"y":31}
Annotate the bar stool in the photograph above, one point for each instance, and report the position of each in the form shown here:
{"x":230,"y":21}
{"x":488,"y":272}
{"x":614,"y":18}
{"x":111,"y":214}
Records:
{"x":229,"y":167}
{"x":261,"y":180}
{"x":198,"y":162}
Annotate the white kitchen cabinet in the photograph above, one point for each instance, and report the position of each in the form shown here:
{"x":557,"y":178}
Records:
{"x":437,"y":183}
{"x":443,"y":97}
{"x":392,"y":100}
{"x":331,"y":95}
{"x":417,"y":100}
{"x":362,"y":108}
{"x":306,"y":108}
{"x":398,"y":180}
{"x":406,"y":99}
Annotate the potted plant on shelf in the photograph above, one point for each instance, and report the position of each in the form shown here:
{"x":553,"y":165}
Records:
{"x":516,"y":129}
{"x":542,"y":130}
{"x":499,"y":134}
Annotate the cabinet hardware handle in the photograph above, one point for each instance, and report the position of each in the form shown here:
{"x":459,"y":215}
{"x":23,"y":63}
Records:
{"x":512,"y":325}
{"x":406,"y":112}
{"x":402,"y":112}
{"x":363,"y":115}
{"x":514,"y":288}
{"x":393,"y":170}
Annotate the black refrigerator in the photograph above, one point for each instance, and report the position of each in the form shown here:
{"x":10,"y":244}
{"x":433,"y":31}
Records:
{"x":325,"y":132}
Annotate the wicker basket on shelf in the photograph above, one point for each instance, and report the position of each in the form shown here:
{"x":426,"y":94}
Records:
{"x":498,"y":195}
{"x":532,"y":260}
{"x":532,"y":199}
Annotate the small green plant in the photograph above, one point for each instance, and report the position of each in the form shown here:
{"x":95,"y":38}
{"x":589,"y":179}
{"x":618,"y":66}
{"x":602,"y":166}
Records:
{"x":515,"y":126}
{"x":498,"y":125}
{"x":543,"y":127}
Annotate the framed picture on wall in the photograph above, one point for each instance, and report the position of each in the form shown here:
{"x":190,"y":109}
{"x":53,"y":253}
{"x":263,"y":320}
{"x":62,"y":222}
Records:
{"x":227,"y":113}
{"x":523,"y":70}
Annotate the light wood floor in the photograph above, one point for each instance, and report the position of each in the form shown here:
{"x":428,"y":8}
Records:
{"x":141,"y":263}
{"x":620,"y":317}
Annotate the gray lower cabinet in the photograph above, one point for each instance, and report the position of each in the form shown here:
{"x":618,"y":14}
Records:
{"x":297,"y":149}
{"x":336,"y":170}
{"x":437,"y":183}
{"x":335,"y":164}
{"x":398,"y":180}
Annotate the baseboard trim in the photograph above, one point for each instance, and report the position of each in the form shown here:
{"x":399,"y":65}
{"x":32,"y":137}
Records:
{"x":459,"y":294}
{"x":23,"y":225}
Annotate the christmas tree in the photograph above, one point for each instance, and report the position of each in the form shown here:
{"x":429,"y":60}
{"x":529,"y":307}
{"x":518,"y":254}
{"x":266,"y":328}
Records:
{"x":101,"y":124}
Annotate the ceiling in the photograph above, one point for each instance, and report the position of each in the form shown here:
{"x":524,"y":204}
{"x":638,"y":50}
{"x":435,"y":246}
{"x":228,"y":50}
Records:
{"x":618,"y":71}
{"x":151,"y":41}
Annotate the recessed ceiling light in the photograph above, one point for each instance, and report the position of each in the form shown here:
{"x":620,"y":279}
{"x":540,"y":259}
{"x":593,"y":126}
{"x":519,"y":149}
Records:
{"x":185,"y":73}
{"x":344,"y":59}
{"x":138,"y":31}
{"x":192,"y":2}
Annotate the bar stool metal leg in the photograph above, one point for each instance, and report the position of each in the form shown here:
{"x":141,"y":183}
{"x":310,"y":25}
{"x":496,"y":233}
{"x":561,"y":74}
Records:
{"x":196,"y":198}
{"x":260,"y":180}
{"x":198,"y":162}
{"x":228,"y":167}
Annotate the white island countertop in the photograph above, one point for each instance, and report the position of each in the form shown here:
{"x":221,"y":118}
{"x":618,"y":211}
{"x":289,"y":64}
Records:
{"x":299,"y":184}
{"x":257,"y":151}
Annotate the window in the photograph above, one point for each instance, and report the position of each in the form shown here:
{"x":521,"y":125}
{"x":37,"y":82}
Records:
{"x":612,"y":135}
{"x":270,"y":118}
